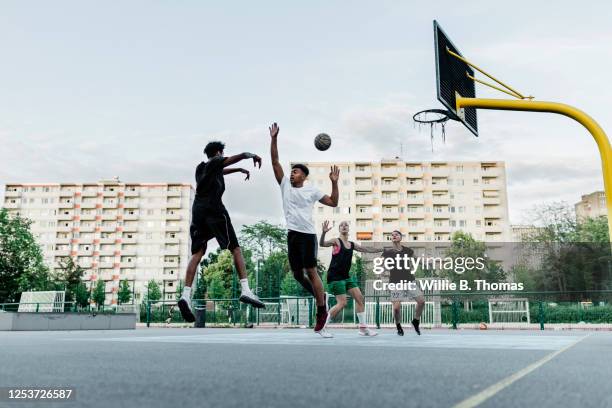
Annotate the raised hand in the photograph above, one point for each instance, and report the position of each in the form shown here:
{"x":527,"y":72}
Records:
{"x":326,"y":227}
{"x":334,"y":174}
{"x":274,"y":129}
{"x":257,"y":161}
{"x":245,"y":171}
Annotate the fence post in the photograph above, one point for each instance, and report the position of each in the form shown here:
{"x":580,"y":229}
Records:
{"x":455,"y":313}
{"x":377,"y":312}
{"x":310,"y":312}
{"x":298,"y":312}
{"x":148,"y":313}
{"x":37,"y":305}
{"x":278,"y":311}
{"x":541,"y":314}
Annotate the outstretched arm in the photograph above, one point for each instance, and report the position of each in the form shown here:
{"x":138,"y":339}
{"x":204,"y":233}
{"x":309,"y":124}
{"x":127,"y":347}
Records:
{"x":276,"y":166}
{"x":325,"y":230}
{"x":228,"y":161}
{"x":230,"y":171}
{"x":332,"y":201}
{"x":361,"y":248}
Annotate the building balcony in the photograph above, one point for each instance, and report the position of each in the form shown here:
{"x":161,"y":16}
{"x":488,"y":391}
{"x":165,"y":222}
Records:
{"x":414,"y":186}
{"x":441,"y":199}
{"x":389,"y":171}
{"x":493,"y":228}
{"x":440,"y":171}
{"x":490,"y":171}
{"x":173,"y":204}
{"x":420,"y":214}
{"x":108,"y":205}
{"x":363,"y":172}
{"x":416,"y":229}
{"x":65,"y":217}
{"x":390,"y":214}
{"x":108,"y":228}
{"x":444,"y":214}
{"x":61,"y":253}
{"x":128,"y":250}
{"x":106,"y":265}
{"x":130,"y":193}
{"x":392,"y":186}
{"x":173,"y":193}
{"x":130,"y":217}
{"x":109,"y":193}
{"x":88,"y":205}
{"x":130,"y":227}
{"x":414,"y":171}
{"x":88,"y":217}
{"x":128,"y":265}
{"x":107,"y":240}
{"x":174,"y":240}
{"x":364,"y":200}
{"x":107,"y":251}
{"x":89,"y":193}
{"x":390,"y":200}
{"x":62,"y":241}
{"x":85,"y":252}
{"x":442,"y":229}
{"x":363,"y":185}
{"x":173,"y":228}
{"x":126,"y":240}
{"x":66,"y":204}
{"x":10,"y":205}
{"x":109,"y":217}
{"x":63,"y":228}
{"x":129,"y":204}
{"x":418,"y":200}
{"x":363,"y":214}
{"x":174,"y":217}
{"x":367,"y":227}
{"x":12,"y":194}
{"x":491,"y":200}
{"x":169,"y":264}
{"x":172,"y":251}
{"x":66,"y":193}
{"x":87,"y":228}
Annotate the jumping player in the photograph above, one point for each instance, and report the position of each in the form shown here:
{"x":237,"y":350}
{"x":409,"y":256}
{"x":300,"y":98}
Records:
{"x":209,"y":219}
{"x":397,"y":275}
{"x":339,"y":281}
{"x":298,"y":203}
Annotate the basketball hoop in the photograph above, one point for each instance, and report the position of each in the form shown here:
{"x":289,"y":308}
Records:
{"x":433,"y":117}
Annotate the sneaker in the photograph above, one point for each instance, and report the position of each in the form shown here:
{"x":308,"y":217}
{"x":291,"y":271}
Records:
{"x":251,"y":299}
{"x":415,"y":324}
{"x":185,"y":308}
{"x":400,"y":331}
{"x":325,"y":334}
{"x":365,"y":331}
{"x":321,"y":320}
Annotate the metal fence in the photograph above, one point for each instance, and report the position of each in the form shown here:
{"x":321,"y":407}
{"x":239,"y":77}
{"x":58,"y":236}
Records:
{"x":445,"y":309}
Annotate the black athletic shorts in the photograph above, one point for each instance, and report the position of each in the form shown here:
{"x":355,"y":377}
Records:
{"x":302,"y":250}
{"x":206,"y":225}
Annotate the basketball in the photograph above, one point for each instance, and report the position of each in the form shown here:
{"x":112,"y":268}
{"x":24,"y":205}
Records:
{"x":322,"y":141}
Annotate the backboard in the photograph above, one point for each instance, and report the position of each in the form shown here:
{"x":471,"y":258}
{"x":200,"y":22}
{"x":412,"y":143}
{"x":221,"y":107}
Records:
{"x":452,"y":78}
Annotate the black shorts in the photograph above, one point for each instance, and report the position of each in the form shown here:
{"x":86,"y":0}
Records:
{"x":302,"y":250}
{"x":206,"y":225}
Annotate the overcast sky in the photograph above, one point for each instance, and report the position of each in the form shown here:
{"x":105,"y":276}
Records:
{"x":135,"y":89}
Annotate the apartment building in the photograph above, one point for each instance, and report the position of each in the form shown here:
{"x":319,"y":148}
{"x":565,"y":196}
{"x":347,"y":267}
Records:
{"x":426,"y":201}
{"x":115,"y":230}
{"x":591,"y":206}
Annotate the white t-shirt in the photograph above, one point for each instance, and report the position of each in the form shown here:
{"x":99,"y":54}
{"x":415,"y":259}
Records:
{"x":298,"y":205}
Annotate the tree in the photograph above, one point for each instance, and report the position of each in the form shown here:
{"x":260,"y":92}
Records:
{"x":153,"y":294}
{"x":70,"y":277}
{"x":21,"y":261}
{"x":99,"y":293}
{"x":218,"y":276}
{"x":125,"y":293}
{"x":81,"y":295}
{"x":290,"y":287}
{"x":263,"y":239}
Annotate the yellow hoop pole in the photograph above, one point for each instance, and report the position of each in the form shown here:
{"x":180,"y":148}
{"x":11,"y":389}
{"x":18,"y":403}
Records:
{"x":605,"y":151}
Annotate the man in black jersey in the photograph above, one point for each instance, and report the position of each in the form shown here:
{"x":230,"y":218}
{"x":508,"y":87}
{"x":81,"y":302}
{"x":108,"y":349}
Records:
{"x":209,"y":219}
{"x":339,"y":280}
{"x":397,"y":275}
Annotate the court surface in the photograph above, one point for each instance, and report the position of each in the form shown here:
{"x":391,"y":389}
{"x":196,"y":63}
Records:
{"x":164,"y":367}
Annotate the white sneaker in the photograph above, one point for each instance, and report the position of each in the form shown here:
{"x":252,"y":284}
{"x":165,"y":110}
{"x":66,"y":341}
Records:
{"x":250,"y":298}
{"x":365,"y":331}
{"x":325,"y":334}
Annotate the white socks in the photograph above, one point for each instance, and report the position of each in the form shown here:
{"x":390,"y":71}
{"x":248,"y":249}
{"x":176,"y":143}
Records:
{"x":244,"y":285}
{"x":361,"y":317}
{"x":186,"y":293}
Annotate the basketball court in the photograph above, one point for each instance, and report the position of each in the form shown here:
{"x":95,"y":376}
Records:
{"x":281,"y":367}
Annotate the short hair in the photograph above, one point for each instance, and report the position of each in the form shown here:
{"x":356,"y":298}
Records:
{"x":399,"y":232}
{"x":212,"y":148}
{"x":301,"y":167}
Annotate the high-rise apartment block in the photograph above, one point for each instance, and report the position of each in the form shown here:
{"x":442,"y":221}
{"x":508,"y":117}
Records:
{"x":426,"y":201}
{"x":116,"y":231}
{"x":591,"y":206}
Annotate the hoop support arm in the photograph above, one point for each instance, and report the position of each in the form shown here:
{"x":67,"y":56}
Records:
{"x":603,"y":144}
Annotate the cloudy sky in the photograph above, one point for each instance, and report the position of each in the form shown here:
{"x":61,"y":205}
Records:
{"x":135,"y":89}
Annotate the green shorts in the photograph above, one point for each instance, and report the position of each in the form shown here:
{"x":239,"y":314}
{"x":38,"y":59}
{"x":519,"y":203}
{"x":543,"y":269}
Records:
{"x":342,"y":286}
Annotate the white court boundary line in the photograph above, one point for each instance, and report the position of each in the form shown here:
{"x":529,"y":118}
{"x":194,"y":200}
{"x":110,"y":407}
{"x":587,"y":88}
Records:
{"x":490,"y":391}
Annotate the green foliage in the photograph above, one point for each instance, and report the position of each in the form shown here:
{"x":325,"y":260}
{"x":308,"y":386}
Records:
{"x":98,"y":295}
{"x":69,"y":278}
{"x":263,"y":239}
{"x":153,"y":292}
{"x":218,"y":276}
{"x":290,"y":287}
{"x":21,"y":261}
{"x":125,"y":293}
{"x":465,"y":246}
{"x":358,"y":271}
{"x":574,"y":256}
{"x":272,"y":271}
{"x":81,"y":295}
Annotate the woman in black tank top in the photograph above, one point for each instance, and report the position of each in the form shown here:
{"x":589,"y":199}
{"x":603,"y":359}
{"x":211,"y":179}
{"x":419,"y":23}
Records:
{"x":339,"y":281}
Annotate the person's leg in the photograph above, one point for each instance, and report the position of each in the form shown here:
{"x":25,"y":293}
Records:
{"x":317,"y":285}
{"x":184,"y":302}
{"x":304,"y":281}
{"x":340,"y":304}
{"x":397,"y":316}
{"x":420,"y":305}
{"x":356,"y":294}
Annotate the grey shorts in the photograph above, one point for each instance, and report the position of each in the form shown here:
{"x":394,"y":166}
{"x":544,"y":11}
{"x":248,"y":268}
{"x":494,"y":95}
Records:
{"x":405,"y":295}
